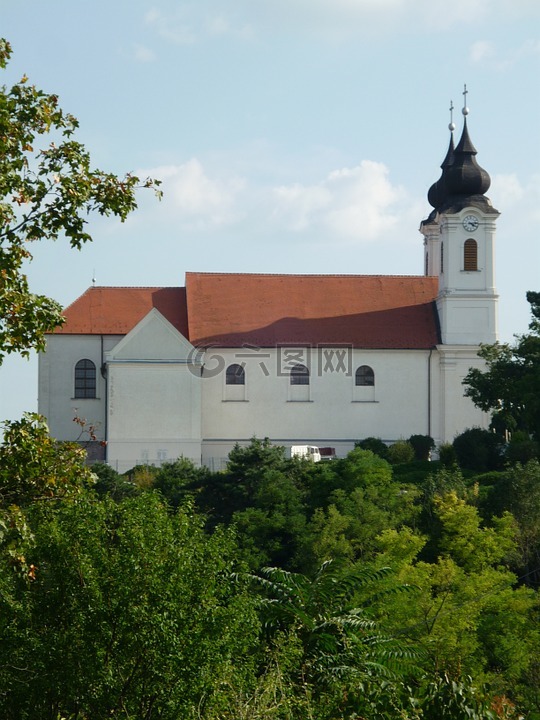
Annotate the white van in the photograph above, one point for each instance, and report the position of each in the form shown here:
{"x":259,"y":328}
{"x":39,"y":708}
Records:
{"x":310,"y":452}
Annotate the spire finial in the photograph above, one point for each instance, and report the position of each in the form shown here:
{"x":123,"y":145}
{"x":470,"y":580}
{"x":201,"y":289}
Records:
{"x":465,"y":110}
{"x":94,"y":279}
{"x":451,"y":125}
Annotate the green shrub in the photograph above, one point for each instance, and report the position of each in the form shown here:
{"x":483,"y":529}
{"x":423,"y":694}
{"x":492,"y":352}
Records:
{"x":447,"y":455}
{"x":376,"y":445}
{"x":522,"y":448}
{"x":400,"y":452}
{"x":478,"y":450}
{"x":422,"y":446}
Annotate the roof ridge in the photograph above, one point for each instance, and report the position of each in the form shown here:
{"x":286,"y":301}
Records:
{"x":303,"y":275}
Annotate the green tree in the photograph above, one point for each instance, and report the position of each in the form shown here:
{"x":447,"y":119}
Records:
{"x":350,"y":665}
{"x":469,"y":614}
{"x":45,"y":193}
{"x":34,"y":467}
{"x":510,"y":386}
{"x":400,"y":452}
{"x":180,"y":479}
{"x":271,"y":531}
{"x":130,"y":612}
{"x":234,"y":490}
{"x":479,"y":450}
{"x":422,"y":446}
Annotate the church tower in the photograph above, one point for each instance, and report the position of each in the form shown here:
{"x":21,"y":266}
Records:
{"x":459,"y":239}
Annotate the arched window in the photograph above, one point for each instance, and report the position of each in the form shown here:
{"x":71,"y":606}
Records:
{"x":299,"y":375}
{"x":85,"y":379}
{"x":365,"y":376}
{"x":442,"y":258}
{"x":235,"y":375}
{"x":470,"y":255}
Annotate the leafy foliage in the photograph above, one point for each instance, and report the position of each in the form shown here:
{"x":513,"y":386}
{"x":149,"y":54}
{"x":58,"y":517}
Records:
{"x":478,"y":450}
{"x":131,"y":613}
{"x":510,"y":387}
{"x":35,"y":467}
{"x":422,"y":446}
{"x":45,"y":193}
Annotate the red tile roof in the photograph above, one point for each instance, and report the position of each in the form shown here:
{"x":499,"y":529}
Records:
{"x":116,"y":310}
{"x":231,"y":310}
{"x":364,"y":311}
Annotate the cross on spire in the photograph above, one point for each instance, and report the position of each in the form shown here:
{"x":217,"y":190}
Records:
{"x":465,"y":110}
{"x":451,"y":125}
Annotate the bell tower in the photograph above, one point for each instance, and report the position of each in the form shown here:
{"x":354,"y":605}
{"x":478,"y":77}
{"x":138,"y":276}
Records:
{"x":459,"y":239}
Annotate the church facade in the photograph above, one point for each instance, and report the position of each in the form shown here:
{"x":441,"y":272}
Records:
{"x":320,"y":360}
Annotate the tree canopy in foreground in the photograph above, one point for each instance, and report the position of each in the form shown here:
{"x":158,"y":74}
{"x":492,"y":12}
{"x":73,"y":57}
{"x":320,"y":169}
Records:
{"x":48,"y":188}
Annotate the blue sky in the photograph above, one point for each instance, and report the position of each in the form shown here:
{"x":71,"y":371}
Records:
{"x":291,"y":135}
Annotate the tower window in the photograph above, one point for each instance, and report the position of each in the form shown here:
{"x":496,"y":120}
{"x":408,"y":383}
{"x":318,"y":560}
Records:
{"x":299,"y":375}
{"x":235,"y":375}
{"x":365,"y":376}
{"x":85,"y":379}
{"x":442,"y":258}
{"x":470,"y":255}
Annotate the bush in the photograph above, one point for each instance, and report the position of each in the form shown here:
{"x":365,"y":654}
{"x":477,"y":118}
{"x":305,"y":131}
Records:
{"x":422,"y":446}
{"x":447,"y":455}
{"x":400,"y":452}
{"x":111,"y":483}
{"x":478,"y":450}
{"x":522,"y":448}
{"x":376,"y":445}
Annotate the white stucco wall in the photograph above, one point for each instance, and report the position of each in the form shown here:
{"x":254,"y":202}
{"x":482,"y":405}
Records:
{"x":335,"y":411}
{"x":56,"y":383}
{"x":159,"y":406}
{"x":154,"y":413}
{"x":154,"y":397}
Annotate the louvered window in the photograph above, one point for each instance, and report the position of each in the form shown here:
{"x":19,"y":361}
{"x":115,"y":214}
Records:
{"x":470,"y":255}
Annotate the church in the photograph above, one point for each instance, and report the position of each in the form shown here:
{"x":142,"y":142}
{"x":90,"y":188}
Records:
{"x":323,"y":360}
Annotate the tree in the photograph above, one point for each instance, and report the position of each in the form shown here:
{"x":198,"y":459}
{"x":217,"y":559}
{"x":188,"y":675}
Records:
{"x":479,"y":450}
{"x":45,"y":193}
{"x":130,"y":612}
{"x":350,"y":665}
{"x":36,"y":468}
{"x":510,"y":387}
{"x":422,"y":446}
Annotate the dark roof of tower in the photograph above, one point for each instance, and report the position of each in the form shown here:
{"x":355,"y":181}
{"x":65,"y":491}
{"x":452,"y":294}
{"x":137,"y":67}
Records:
{"x":437,"y":192}
{"x":463,"y":183}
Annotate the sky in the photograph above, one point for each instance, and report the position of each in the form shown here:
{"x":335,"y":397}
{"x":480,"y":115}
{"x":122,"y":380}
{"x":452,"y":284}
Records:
{"x":291,"y":136}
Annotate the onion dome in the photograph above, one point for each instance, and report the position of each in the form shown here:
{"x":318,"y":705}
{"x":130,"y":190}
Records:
{"x":463,"y":183}
{"x":438,"y":193}
{"x":465,"y":176}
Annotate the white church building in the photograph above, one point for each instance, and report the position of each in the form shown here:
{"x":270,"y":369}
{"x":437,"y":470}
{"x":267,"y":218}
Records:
{"x":321,"y":360}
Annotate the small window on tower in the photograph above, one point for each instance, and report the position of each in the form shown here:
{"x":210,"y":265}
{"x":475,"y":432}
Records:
{"x":470,"y":255}
{"x":442,"y":257}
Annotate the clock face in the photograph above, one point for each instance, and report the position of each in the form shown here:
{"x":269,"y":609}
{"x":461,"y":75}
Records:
{"x":470,"y":223}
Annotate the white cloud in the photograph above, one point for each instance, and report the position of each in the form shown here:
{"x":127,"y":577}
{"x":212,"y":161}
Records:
{"x":519,"y":200}
{"x":481,"y":50}
{"x":484,"y":52}
{"x":144,"y":54}
{"x":356,"y":203}
{"x":192,"y":199}
{"x":190,"y":22}
{"x":173,"y":27}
